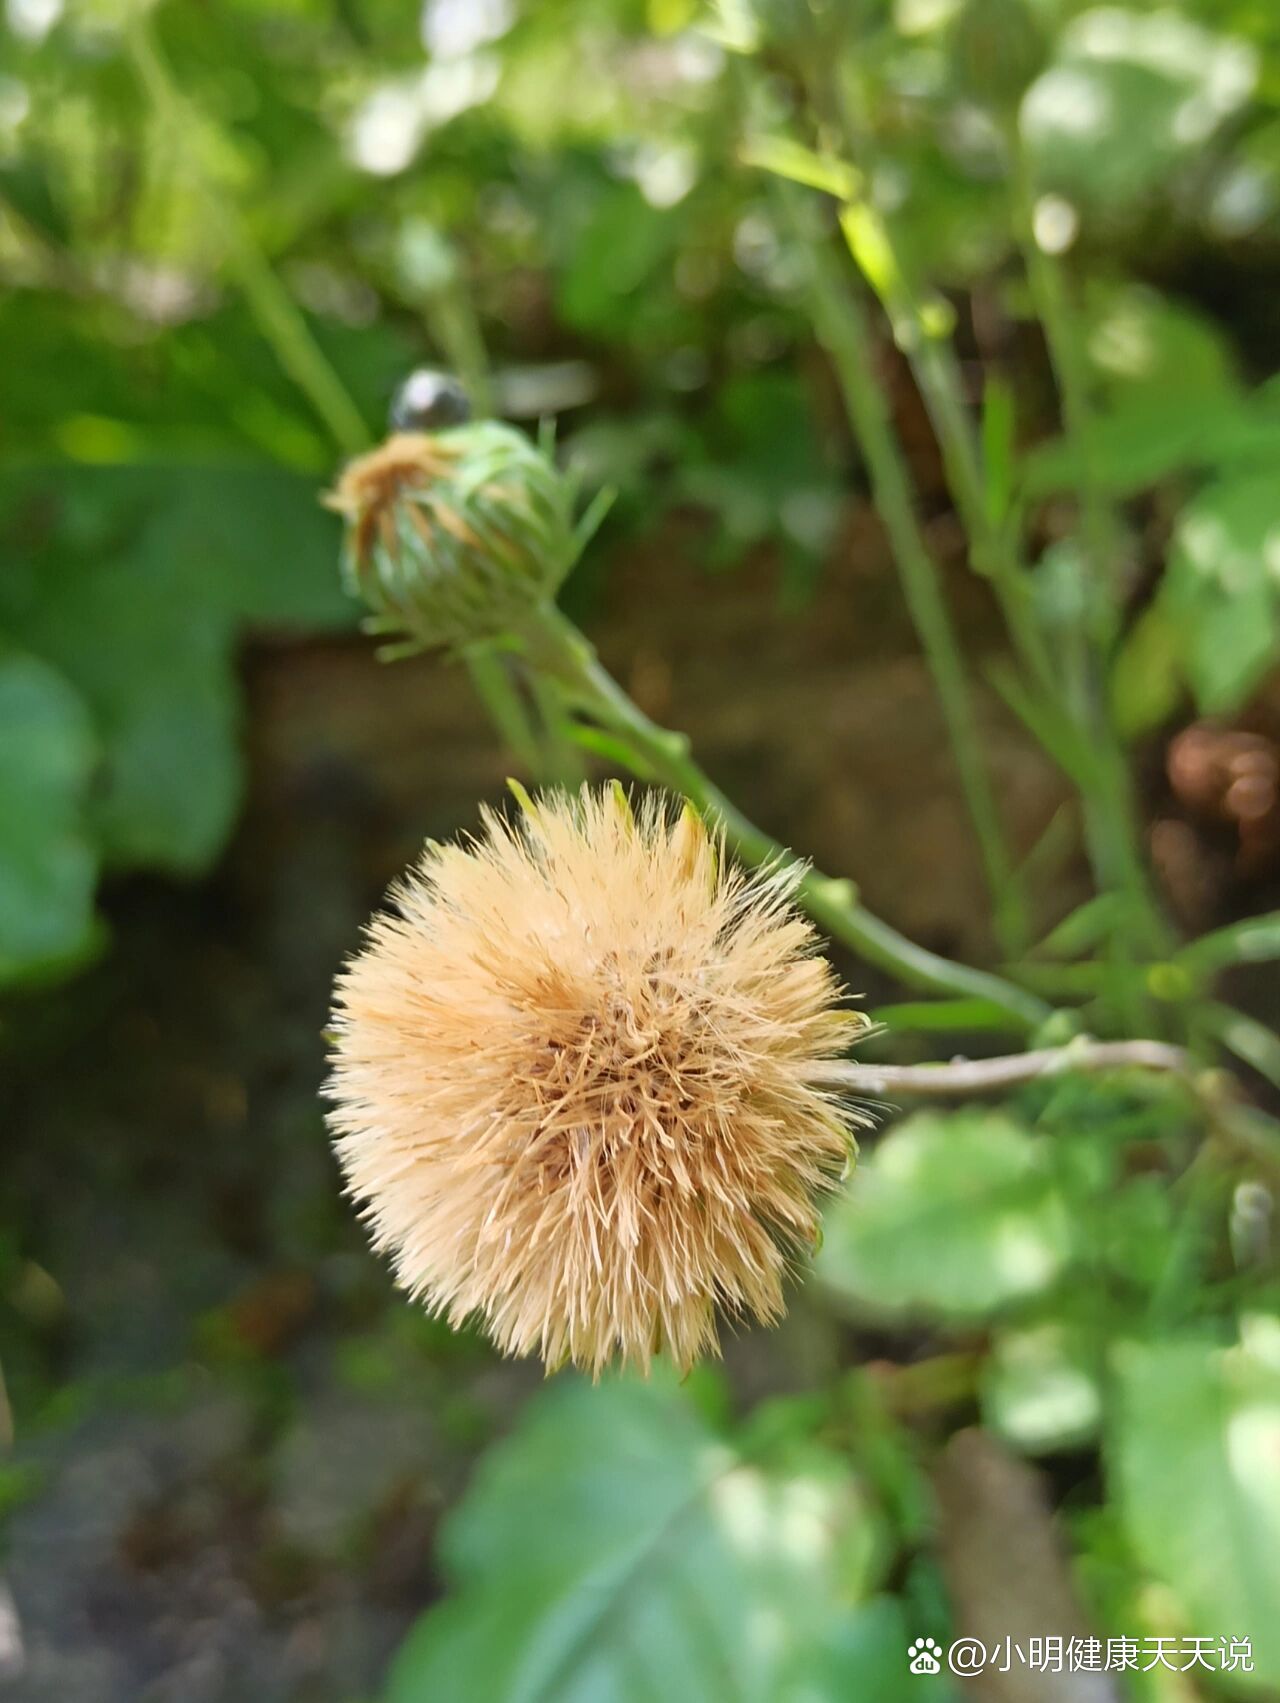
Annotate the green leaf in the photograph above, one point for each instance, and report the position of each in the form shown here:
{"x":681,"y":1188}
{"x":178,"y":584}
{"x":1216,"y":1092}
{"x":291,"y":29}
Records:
{"x":870,"y":1660}
{"x":47,"y":865}
{"x":1084,"y":928}
{"x":616,"y":1549}
{"x":1146,"y":675}
{"x":154,"y":666}
{"x":1129,"y":97}
{"x":1222,"y":588}
{"x":618,"y":246}
{"x":1193,"y":1451}
{"x":1139,"y":342}
{"x":939,"y":1016}
{"x":954,"y":1216}
{"x":910,"y":313}
{"x":255,"y":544}
{"x":136,"y":596}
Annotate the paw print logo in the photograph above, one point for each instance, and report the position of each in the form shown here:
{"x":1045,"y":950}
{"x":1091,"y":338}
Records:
{"x":924,"y":1656}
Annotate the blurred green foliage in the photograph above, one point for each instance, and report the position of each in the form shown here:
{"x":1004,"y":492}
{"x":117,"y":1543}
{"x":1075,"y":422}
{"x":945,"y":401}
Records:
{"x":226,"y":233}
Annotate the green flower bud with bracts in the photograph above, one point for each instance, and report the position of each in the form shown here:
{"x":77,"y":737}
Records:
{"x":453,"y":537}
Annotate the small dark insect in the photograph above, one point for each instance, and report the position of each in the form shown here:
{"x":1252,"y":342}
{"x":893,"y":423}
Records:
{"x":428,"y":400}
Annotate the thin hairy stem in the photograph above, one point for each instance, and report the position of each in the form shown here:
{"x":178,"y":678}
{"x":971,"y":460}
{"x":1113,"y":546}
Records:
{"x":966,"y":1079}
{"x":1251,"y":1135}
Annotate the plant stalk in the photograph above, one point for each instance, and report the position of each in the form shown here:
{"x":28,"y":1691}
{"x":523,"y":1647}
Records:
{"x":1251,"y":1135}
{"x":552,"y":644}
{"x":1111,"y":827}
{"x":840,"y":327}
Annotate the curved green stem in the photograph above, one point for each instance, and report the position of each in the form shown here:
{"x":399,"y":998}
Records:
{"x":556,"y":647}
{"x":839,"y":324}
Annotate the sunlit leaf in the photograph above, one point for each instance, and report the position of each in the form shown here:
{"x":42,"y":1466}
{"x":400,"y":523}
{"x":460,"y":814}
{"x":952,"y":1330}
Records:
{"x":1194,"y":1453}
{"x":1223,"y":587}
{"x":616,"y":1548}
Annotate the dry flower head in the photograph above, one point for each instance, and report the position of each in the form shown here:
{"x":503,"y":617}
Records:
{"x":574,"y":1082}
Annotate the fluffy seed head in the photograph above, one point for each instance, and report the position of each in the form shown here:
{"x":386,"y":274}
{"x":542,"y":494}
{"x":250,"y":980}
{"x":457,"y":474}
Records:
{"x":453,"y":535}
{"x":574,"y":1082}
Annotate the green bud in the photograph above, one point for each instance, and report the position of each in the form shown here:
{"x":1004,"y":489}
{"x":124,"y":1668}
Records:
{"x":453,"y":536}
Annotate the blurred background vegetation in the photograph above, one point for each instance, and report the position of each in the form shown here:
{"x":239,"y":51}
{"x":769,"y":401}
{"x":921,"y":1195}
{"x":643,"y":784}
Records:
{"x":227,"y":231}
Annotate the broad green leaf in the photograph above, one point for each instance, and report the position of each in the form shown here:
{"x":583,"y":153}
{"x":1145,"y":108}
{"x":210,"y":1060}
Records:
{"x":619,"y":243}
{"x":949,"y":1216}
{"x":27,"y":187}
{"x":1040,"y":1389}
{"x":616,"y":1549}
{"x":871,"y":1660}
{"x":1169,"y":399}
{"x":250,"y":543}
{"x":763,"y":471}
{"x":255,"y":544}
{"x":1193,"y":1451}
{"x":136,"y":597}
{"x":1142,"y":439}
{"x":47,"y":864}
